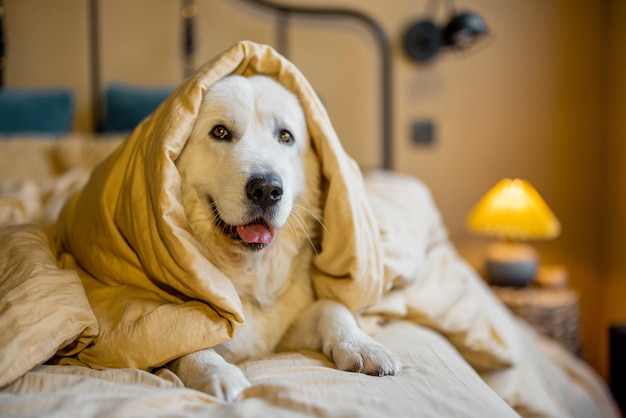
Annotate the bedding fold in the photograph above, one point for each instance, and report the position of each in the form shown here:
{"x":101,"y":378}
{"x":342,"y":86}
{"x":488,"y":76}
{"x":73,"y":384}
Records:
{"x":43,"y":310}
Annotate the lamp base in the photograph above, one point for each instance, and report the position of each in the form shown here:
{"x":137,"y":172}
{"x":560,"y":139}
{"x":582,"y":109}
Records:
{"x":511,"y":264}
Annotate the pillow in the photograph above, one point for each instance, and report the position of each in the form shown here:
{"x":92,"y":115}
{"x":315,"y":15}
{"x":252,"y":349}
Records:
{"x":43,"y":309}
{"x":125,"y":106}
{"x":48,"y":111}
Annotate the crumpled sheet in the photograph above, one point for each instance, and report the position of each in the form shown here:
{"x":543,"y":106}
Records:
{"x":434,"y":382}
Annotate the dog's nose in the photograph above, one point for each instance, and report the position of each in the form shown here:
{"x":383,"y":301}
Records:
{"x":265,"y":191}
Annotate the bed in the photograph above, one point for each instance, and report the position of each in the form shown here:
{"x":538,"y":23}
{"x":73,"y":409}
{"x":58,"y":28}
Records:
{"x":463,"y":353}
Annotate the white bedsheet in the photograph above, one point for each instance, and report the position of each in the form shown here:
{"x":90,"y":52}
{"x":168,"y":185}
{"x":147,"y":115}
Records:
{"x":434,"y":382}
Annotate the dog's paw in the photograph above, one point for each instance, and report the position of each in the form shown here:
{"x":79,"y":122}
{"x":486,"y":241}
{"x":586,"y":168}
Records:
{"x":364,"y":355}
{"x":207,"y":372}
{"x":226,"y":382}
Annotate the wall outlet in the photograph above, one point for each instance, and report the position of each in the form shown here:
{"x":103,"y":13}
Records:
{"x":423,"y":132}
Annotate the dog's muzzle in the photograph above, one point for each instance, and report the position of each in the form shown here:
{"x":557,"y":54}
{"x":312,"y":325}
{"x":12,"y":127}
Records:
{"x":264,"y":191}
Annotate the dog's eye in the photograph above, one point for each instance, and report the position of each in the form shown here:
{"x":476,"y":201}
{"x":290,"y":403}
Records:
{"x":220,"y":132}
{"x":285,"y":136}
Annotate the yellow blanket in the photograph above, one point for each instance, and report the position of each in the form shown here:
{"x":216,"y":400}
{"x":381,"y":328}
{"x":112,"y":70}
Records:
{"x":155,"y":295}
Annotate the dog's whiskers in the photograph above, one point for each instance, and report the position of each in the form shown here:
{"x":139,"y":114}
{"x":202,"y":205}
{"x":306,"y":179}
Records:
{"x":312,"y":213}
{"x":306,"y":234}
{"x":302,"y":226}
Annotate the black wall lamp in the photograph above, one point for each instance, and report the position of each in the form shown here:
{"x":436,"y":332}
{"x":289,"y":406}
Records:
{"x":424,"y":39}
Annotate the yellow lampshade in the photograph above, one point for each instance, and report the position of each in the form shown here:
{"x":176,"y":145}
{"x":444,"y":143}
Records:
{"x":513,"y":210}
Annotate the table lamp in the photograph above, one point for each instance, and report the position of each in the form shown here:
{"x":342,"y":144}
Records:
{"x":512,"y":211}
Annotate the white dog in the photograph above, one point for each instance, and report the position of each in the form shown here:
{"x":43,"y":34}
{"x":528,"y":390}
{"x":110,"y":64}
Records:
{"x":251,"y":192}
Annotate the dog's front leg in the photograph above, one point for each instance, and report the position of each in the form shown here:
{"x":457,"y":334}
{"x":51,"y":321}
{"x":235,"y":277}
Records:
{"x":329,"y":326}
{"x":207,"y":371}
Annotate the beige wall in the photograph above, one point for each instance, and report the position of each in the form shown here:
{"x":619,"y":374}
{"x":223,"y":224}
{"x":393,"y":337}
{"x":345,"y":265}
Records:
{"x":536,"y":101}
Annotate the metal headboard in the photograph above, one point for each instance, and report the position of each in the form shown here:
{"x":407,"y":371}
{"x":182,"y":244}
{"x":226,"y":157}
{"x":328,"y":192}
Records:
{"x":283,"y":14}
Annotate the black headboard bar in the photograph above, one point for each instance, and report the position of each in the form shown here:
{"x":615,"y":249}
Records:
{"x":2,"y":45}
{"x":282,"y":32}
{"x":284,"y":11}
{"x":384,"y":52}
{"x":188,"y":13}
{"x":94,"y":62}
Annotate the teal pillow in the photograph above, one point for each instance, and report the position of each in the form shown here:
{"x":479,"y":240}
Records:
{"x":41,"y":111}
{"x":125,"y":106}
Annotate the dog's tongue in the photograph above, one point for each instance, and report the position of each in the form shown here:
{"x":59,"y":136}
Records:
{"x":256,"y":233}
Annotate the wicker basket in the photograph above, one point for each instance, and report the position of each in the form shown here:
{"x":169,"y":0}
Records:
{"x":553,"y":312}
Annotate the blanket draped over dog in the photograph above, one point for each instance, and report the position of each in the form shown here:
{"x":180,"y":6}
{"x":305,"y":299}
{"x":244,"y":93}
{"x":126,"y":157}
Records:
{"x":153,"y":291}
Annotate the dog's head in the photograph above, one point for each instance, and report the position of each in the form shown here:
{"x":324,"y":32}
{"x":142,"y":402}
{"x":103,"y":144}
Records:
{"x":244,"y":165}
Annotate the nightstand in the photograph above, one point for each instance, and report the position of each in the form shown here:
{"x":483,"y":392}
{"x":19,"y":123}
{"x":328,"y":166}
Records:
{"x":552,"y":311}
